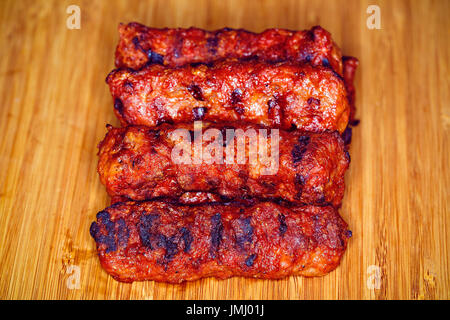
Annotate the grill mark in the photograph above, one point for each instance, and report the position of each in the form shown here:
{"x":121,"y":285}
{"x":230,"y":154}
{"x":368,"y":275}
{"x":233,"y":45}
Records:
{"x":216,"y":234}
{"x":245,"y":234}
{"x":117,"y":233}
{"x":146,"y":236}
{"x":105,"y":219}
{"x":170,"y":245}
{"x":122,"y":233}
{"x":299,"y":149}
{"x":187,"y":239}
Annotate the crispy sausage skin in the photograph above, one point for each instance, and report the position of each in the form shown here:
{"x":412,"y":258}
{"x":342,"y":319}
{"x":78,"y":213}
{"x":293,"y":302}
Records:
{"x":137,"y":163}
{"x":175,"y":243}
{"x":140,"y":45}
{"x":278,"y":95}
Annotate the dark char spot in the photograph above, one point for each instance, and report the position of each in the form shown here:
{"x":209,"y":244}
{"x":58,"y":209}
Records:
{"x":283,"y":226}
{"x":145,"y":224}
{"x":321,"y":200}
{"x":236,"y":96}
{"x":136,"y":43}
{"x":236,"y":101}
{"x":216,"y":233}
{"x":239,"y":110}
{"x":187,"y":238}
{"x":326,"y":63}
{"x":299,"y":179}
{"x":250,"y":260}
{"x":299,"y":149}
{"x":272,"y":103}
{"x":201,"y":63}
{"x":122,"y":233}
{"x":199,"y":112}
{"x":212,"y":43}
{"x":312,"y":35}
{"x":196,"y":92}
{"x":154,"y":57}
{"x":313,"y":101}
{"x":300,"y":182}
{"x":116,"y":233}
{"x":347,"y":135}
{"x":307,"y":57}
{"x":128,"y":85}
{"x":170,"y":245}
{"x":245,"y":234}
{"x":118,"y":105}
{"x":305,"y":140}
{"x":347,"y":154}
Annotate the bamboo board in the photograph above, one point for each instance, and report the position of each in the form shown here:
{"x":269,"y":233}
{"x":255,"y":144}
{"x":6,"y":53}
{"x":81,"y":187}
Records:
{"x":55,"y":104}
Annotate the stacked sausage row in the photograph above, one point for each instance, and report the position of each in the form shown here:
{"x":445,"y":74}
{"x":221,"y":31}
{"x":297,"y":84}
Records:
{"x":173,"y":220}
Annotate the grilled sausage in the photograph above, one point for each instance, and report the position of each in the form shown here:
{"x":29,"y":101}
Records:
{"x":175,"y":243}
{"x":140,"y":45}
{"x":279,"y":95}
{"x":141,"y":163}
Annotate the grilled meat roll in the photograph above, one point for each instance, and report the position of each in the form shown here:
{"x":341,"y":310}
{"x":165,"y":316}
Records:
{"x":140,"y":45}
{"x":175,"y":243}
{"x":234,"y":161}
{"x":282,"y":95}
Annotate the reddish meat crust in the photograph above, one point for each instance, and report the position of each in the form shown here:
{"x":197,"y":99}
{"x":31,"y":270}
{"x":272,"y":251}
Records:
{"x":278,"y":95}
{"x":174,"y":243}
{"x":350,"y":65}
{"x":140,"y":45}
{"x":136,"y":163}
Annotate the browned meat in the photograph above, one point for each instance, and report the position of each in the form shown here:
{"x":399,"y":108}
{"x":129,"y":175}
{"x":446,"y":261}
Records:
{"x":140,"y":45}
{"x":137,"y":163}
{"x":174,"y":243}
{"x":279,"y":95}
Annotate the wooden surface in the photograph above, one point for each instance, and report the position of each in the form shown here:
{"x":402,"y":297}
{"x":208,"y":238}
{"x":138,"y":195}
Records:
{"x":55,"y":104}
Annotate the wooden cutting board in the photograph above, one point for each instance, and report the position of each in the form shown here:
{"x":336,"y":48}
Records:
{"x":55,"y":105}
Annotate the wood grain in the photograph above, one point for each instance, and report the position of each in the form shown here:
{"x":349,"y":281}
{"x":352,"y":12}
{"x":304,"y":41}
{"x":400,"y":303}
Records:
{"x":55,"y":104}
